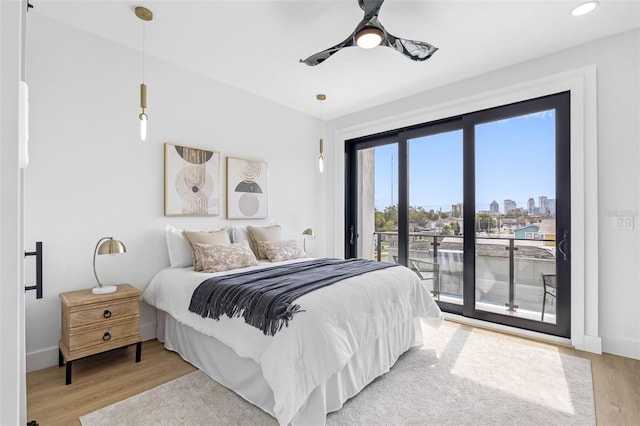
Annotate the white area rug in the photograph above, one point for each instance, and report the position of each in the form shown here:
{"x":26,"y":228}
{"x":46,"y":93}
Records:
{"x":459,"y":377}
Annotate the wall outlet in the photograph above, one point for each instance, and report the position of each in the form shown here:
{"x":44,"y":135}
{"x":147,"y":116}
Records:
{"x":623,"y":222}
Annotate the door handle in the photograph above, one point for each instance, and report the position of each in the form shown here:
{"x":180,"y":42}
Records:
{"x":562,"y":245}
{"x":352,"y":235}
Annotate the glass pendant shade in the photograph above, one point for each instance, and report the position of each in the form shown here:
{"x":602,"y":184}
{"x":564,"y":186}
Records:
{"x":143,"y":127}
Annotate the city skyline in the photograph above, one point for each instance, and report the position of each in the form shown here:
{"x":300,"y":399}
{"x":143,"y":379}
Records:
{"x":515,"y":160}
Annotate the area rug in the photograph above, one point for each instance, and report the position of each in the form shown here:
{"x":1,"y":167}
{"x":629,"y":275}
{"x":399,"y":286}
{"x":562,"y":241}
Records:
{"x":459,"y":377}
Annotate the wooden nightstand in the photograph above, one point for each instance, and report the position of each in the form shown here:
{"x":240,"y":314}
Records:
{"x":95,"y":323}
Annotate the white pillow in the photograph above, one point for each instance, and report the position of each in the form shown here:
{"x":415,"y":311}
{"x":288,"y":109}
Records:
{"x":180,"y":252}
{"x":240,"y":234}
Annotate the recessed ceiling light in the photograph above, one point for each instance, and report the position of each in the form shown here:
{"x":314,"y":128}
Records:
{"x":321,"y":96}
{"x":584,"y":8}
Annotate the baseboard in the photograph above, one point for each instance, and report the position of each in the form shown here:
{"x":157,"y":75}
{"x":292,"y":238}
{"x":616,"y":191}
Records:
{"x":592,"y":344}
{"x":42,"y":359}
{"x":148,"y":331}
{"x":621,"y":346}
{"x":46,"y":358}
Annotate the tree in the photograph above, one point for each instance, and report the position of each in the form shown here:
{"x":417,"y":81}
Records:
{"x":455,"y":227}
{"x":485,"y":222}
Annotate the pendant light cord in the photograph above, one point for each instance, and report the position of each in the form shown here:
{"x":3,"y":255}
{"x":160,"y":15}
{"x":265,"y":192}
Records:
{"x":143,"y":43}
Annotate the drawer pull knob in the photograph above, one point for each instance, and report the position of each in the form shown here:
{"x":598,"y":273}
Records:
{"x":107,"y":313}
{"x":106,"y":336}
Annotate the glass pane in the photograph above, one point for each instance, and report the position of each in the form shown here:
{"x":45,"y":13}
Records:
{"x":515,"y":216}
{"x":435,"y":213}
{"x":378,"y":203}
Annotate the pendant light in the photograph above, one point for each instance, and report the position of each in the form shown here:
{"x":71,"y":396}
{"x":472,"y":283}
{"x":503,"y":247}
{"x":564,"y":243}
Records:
{"x":145,"y":15}
{"x":321,"y":159}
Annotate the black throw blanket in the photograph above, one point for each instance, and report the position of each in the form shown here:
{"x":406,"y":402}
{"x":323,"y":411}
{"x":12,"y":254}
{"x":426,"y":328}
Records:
{"x":264,"y":297}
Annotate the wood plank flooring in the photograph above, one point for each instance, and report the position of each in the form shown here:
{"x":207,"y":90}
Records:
{"x":107,"y":378}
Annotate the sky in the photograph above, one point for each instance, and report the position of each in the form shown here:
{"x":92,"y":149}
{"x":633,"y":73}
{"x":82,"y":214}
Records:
{"x":515,"y":159}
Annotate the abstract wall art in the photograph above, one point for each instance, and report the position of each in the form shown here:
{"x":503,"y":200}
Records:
{"x":191,"y":181}
{"x":247,"y":189}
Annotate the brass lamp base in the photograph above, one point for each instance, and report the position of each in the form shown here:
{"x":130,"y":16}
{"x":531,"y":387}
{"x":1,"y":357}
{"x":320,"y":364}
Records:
{"x":105,"y":289}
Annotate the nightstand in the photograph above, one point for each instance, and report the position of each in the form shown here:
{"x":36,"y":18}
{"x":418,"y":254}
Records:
{"x":96,"y":323}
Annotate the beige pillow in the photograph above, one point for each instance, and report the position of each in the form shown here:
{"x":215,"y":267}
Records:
{"x":257,"y":234}
{"x":277,"y":251}
{"x":220,"y":236}
{"x":224,"y":257}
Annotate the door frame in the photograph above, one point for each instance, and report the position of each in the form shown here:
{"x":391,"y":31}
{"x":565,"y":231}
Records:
{"x":12,"y":307}
{"x":581,"y":82}
{"x":560,"y":102}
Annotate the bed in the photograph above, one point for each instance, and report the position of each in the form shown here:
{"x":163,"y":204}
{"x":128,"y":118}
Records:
{"x":346,"y":335}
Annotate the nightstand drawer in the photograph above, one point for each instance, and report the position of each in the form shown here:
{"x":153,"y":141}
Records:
{"x":103,"y":336}
{"x":102,"y":313}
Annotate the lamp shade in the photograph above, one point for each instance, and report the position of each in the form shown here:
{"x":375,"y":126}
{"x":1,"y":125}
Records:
{"x":106,"y":245}
{"x":112,"y":246}
{"x":308,"y":233}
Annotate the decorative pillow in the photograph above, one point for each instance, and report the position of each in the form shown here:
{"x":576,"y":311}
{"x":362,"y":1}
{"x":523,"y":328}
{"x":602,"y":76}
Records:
{"x":224,"y":257}
{"x":180,"y":251}
{"x":257,"y":234}
{"x":221,"y":236}
{"x":277,"y":251}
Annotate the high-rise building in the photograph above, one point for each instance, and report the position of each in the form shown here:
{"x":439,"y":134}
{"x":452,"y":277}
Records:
{"x":456,"y":209}
{"x":494,"y":207}
{"x":509,"y":205}
{"x":542,"y":204}
{"x":551,"y":207}
{"x":531,"y":206}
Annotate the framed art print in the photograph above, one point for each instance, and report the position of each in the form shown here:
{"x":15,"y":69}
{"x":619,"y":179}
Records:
{"x":191,"y":181}
{"x":247,"y":189}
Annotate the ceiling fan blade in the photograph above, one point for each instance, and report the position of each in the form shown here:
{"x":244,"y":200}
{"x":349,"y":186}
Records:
{"x":325,"y":54}
{"x":413,"y":49}
{"x":370,"y":7}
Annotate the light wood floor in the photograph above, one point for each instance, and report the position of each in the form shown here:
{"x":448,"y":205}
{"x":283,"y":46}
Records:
{"x":107,"y":378}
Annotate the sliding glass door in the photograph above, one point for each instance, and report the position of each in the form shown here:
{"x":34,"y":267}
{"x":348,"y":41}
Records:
{"x":477,"y":206}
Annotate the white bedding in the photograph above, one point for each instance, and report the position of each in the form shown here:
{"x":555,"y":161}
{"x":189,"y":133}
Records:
{"x":337,"y":320}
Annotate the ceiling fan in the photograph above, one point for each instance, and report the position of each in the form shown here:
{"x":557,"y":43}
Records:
{"x":370,"y":33}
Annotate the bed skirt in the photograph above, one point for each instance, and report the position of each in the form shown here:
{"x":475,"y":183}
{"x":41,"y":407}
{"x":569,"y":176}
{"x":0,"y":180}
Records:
{"x":244,"y":376}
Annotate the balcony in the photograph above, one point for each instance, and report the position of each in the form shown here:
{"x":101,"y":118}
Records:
{"x":509,"y":271}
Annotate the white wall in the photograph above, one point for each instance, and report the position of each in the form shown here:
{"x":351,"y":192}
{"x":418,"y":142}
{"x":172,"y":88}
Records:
{"x":90,"y":176}
{"x":617,"y":62}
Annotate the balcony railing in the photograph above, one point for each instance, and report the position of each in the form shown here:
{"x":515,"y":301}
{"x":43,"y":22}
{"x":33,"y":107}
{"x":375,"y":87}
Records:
{"x":508,"y":270}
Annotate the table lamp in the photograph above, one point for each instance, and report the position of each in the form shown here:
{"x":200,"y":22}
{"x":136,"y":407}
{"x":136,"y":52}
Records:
{"x":106,"y":245}
{"x":307,"y":233}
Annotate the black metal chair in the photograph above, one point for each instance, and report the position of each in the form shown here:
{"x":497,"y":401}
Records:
{"x":550,"y":287}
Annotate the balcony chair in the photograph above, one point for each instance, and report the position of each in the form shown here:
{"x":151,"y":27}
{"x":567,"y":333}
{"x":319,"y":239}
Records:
{"x":426,"y":271}
{"x":549,"y":287}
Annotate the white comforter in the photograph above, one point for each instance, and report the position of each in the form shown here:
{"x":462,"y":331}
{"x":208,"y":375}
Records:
{"x":318,"y":342}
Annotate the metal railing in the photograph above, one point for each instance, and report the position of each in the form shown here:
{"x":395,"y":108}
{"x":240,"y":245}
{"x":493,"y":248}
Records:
{"x":493,"y":258}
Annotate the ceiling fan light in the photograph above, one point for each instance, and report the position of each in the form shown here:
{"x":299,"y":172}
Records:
{"x":584,"y":8}
{"x":369,"y":37}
